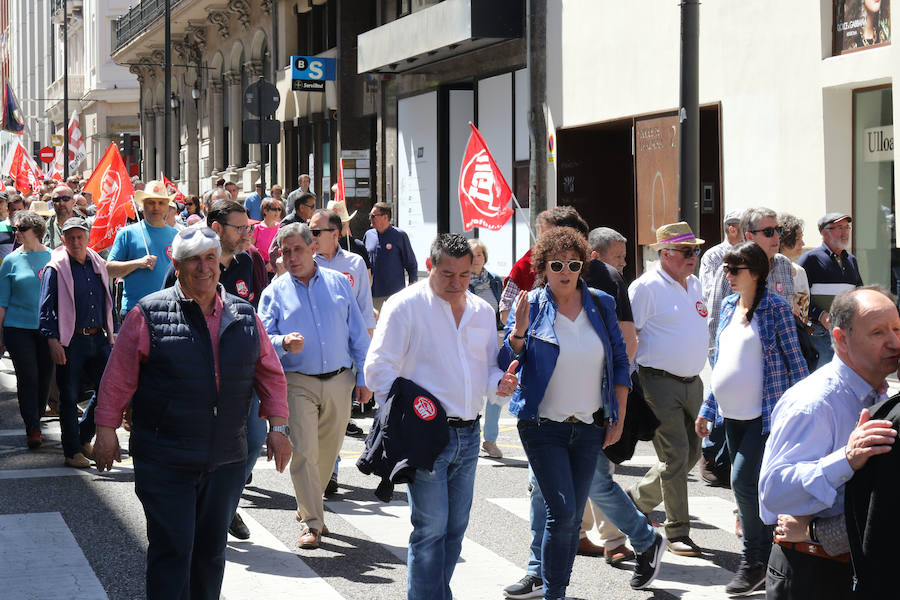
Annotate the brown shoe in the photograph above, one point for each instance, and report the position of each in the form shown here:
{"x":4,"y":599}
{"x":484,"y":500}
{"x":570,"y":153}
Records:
{"x":310,"y":539}
{"x":618,"y":554}
{"x":588,"y":548}
{"x":88,"y":450}
{"x":34,"y":437}
{"x":491,"y":449}
{"x":79,"y":461}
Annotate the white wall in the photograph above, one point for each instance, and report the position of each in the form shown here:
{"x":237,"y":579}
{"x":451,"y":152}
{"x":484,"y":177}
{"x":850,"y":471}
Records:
{"x":417,"y":175}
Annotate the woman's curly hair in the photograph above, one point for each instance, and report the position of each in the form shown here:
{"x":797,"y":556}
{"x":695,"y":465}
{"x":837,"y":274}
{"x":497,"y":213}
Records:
{"x":555,"y":242}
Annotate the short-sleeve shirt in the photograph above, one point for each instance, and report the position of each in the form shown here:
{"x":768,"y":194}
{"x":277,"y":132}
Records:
{"x":605,"y":278}
{"x":129,"y":245}
{"x":20,"y":287}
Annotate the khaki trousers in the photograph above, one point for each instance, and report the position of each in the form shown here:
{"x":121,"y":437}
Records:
{"x":677,"y":445}
{"x":320,"y":411}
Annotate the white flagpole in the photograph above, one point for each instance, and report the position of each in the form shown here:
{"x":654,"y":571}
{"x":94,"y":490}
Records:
{"x":527,"y":224}
{"x":143,"y":233}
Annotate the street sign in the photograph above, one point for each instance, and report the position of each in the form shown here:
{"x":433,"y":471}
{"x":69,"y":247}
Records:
{"x":256,"y":131}
{"x":261,"y":98}
{"x":309,"y":73}
{"x":47,"y":153}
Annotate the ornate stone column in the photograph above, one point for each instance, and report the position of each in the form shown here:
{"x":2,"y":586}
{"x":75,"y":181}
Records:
{"x":149,"y":149}
{"x":217,"y":139}
{"x":160,"y":144}
{"x":233,"y":81}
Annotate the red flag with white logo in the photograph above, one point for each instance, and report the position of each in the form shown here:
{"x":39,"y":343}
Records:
{"x":171,"y":187}
{"x":483,"y":192}
{"x":111,"y":188}
{"x":20,"y":166}
{"x":76,"y":143}
{"x":339,"y":195}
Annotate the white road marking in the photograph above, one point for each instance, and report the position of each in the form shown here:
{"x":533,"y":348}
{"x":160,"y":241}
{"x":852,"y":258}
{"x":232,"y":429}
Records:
{"x":43,"y":541}
{"x":263,"y":567}
{"x":480,"y":573}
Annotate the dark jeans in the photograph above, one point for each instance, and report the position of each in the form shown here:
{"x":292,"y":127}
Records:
{"x":188,"y":513}
{"x":257,"y":430}
{"x":86,"y":355}
{"x":821,"y":339}
{"x":715,"y":450}
{"x":793,"y":575}
{"x":563,"y":457}
{"x":746,"y":444}
{"x":34,"y":369}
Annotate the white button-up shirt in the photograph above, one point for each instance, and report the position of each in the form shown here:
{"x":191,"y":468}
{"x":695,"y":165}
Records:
{"x":417,"y":338}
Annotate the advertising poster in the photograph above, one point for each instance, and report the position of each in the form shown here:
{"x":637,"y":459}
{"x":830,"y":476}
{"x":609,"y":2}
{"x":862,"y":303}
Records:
{"x":861,"y":24}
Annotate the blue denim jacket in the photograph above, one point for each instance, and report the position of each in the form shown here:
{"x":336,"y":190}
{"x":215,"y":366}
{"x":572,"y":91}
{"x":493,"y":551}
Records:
{"x":538,"y":357}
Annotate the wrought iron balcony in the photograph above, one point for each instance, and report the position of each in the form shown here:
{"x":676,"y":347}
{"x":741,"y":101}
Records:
{"x":137,"y":19}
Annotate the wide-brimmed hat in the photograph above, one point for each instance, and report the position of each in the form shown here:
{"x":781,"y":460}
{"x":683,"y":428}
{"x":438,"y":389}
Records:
{"x":41,"y":208}
{"x":340,"y":207}
{"x":675,"y":234}
{"x":153,"y":189}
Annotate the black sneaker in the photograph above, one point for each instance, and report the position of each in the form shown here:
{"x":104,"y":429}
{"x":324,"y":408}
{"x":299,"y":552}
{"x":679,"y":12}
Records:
{"x":648,"y":563}
{"x":354,"y":429}
{"x":529,"y":586}
{"x":331,"y":487}
{"x":238,"y":529}
{"x":747,"y":579}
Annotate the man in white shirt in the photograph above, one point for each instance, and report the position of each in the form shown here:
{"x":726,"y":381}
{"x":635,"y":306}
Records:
{"x":441,"y":336}
{"x":711,"y":261}
{"x":670,"y":318}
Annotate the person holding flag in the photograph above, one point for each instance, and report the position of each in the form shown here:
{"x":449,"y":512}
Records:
{"x":142,"y":252}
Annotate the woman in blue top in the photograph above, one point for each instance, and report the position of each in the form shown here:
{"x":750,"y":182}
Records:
{"x":756,"y":359}
{"x":574,"y":382}
{"x":20,"y":302}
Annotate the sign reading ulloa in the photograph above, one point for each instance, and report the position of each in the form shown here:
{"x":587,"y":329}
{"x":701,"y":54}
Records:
{"x":879,"y":144}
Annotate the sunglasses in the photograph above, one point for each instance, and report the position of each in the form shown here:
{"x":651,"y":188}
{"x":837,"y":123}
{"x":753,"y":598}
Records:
{"x":190,"y":232}
{"x":686,"y":252}
{"x":373,"y":215}
{"x":574,"y":265}
{"x":20,"y":228}
{"x":318,"y":232}
{"x":768,"y":231}
{"x":733,"y":271}
{"x":61,"y":199}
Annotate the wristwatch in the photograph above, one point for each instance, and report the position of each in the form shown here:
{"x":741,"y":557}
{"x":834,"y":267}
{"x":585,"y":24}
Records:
{"x":282,"y":429}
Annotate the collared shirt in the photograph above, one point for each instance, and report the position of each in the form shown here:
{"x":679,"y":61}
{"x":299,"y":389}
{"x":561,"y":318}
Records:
{"x":120,"y":380}
{"x":90,"y":299}
{"x":53,"y":237}
{"x":325,"y":313}
{"x":417,"y":338}
{"x":354,"y":269}
{"x":670,"y":322}
{"x":710,"y":264}
{"x":828,"y":275}
{"x":237,"y":278}
{"x":252,"y":203}
{"x":780,"y":281}
{"x":805,"y":466}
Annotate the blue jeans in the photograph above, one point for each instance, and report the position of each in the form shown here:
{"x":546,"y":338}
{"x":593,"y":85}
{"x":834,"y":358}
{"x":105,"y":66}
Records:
{"x":439,"y":503}
{"x":84,"y":354}
{"x":821,"y":339}
{"x":491,"y":421}
{"x":188,"y":512}
{"x":746,"y":444}
{"x":563,"y":457}
{"x":257,"y":429}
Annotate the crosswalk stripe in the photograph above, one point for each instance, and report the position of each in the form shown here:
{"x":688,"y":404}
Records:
{"x":43,"y":541}
{"x":480,"y":573}
{"x":263,"y":567}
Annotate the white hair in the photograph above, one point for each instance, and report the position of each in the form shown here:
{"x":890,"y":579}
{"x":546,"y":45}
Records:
{"x":193,"y":241}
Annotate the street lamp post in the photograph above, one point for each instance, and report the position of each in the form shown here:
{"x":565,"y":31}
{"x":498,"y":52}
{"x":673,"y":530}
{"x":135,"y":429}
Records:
{"x":65,"y":89}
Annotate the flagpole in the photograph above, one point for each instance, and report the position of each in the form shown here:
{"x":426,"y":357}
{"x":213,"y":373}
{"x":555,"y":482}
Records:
{"x":527,"y":224}
{"x":143,"y":233}
{"x":65,"y":25}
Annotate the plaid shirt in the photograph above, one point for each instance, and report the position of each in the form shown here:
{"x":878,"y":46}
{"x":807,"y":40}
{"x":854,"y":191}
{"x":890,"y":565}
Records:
{"x":779,"y":281}
{"x":783,"y":362}
{"x":508,"y":296}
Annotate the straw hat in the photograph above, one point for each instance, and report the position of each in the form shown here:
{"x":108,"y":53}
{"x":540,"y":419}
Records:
{"x":153,"y":189}
{"x":41,"y":208}
{"x":340,"y":207}
{"x":675,"y":234}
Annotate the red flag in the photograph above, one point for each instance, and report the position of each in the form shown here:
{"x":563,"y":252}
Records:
{"x":339,"y":195}
{"x":20,"y":166}
{"x":483,"y":192}
{"x":110,"y":187}
{"x":171,"y":187}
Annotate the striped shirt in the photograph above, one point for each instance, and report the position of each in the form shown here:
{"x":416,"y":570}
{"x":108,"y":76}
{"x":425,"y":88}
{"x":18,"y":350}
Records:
{"x":829,"y":274}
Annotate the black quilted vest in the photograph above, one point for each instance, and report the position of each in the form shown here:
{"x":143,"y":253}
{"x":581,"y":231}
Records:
{"x":180,"y":419}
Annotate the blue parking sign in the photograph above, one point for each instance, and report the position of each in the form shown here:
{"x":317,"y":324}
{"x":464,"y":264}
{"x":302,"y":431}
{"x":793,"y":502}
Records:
{"x":309,"y":73}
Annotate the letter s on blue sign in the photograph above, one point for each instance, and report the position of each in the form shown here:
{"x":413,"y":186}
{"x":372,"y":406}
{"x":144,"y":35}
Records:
{"x":315,"y":69}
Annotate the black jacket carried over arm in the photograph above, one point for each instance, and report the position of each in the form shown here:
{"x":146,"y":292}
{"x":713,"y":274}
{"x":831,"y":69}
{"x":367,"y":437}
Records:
{"x":871,"y":501}
{"x":409,"y":432}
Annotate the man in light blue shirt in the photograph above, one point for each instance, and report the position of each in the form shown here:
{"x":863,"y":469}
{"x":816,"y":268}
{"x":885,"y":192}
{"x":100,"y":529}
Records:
{"x":821,"y":434}
{"x":313,"y":320}
{"x":253,"y":202}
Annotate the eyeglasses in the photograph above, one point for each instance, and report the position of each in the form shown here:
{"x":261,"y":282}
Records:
{"x":313,"y":205}
{"x":242,"y":229}
{"x":20,"y":228}
{"x":273,"y":209}
{"x":61,"y":199}
{"x":189,"y":204}
{"x":840,"y":228}
{"x":318,"y":232}
{"x":574,"y":265}
{"x":733,"y":271}
{"x":373,"y":215}
{"x":686,"y":252}
{"x":768,"y":231}
{"x":190,"y":232}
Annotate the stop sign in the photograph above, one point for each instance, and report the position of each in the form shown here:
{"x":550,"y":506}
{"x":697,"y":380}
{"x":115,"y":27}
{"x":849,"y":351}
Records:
{"x":47,"y":153}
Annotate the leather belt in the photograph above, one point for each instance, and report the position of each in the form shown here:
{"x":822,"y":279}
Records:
{"x":573,"y":420}
{"x":88,"y":331}
{"x":814,"y":550}
{"x":662,"y":373}
{"x":458,"y":423}
{"x":327,"y":375}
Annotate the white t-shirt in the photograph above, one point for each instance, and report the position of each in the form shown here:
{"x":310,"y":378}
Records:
{"x":737,"y":378}
{"x":575,"y":386}
{"x":670,"y":322}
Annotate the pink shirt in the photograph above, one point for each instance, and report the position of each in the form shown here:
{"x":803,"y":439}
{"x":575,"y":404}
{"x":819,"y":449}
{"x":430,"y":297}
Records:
{"x":120,"y":380}
{"x":264,"y":236}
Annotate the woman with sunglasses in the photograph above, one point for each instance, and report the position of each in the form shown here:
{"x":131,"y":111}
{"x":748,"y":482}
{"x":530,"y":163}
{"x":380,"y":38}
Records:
{"x":20,"y":294}
{"x":574,"y":381}
{"x":191,"y":207}
{"x":755,"y":360}
{"x":264,"y":232}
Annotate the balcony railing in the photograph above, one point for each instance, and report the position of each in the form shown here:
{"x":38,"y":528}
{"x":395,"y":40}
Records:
{"x":137,"y":19}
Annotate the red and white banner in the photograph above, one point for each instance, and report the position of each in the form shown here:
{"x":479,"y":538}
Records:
{"x":339,"y":195}
{"x":76,"y":143}
{"x":483,"y":192}
{"x":20,"y":166}
{"x":171,"y":187}
{"x":110,"y":187}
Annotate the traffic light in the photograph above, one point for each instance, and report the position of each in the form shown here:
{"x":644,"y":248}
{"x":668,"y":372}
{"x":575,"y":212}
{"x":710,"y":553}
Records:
{"x":125,"y":146}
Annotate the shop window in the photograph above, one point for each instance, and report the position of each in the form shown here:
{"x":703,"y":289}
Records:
{"x":860,"y":24}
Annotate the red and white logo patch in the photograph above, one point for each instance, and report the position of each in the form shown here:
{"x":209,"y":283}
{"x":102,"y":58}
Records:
{"x":388,"y":246}
{"x":169,"y":252}
{"x":40,"y":273}
{"x":701,"y":310}
{"x":424,"y":408}
{"x":779,"y":287}
{"x":242,"y":289}
{"x":349,"y":277}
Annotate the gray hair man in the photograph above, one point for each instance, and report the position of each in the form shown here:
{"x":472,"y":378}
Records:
{"x":608,"y":245}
